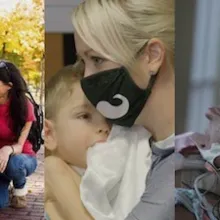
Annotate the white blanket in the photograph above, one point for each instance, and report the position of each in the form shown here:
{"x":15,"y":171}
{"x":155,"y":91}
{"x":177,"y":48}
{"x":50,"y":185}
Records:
{"x":114,"y":180}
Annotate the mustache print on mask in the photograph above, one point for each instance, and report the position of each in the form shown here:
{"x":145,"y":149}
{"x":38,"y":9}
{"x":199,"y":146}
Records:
{"x":116,"y":96}
{"x":111,"y":111}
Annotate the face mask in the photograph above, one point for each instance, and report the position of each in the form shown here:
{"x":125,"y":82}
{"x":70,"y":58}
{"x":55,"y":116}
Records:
{"x":116,"y":96}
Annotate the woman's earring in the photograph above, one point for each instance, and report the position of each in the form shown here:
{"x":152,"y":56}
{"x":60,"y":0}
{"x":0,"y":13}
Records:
{"x":153,"y":77}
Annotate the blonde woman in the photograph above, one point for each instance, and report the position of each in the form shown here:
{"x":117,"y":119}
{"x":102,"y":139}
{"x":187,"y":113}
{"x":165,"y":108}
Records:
{"x":127,"y":48}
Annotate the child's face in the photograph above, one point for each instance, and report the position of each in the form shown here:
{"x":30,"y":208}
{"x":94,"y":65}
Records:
{"x":79,"y":126}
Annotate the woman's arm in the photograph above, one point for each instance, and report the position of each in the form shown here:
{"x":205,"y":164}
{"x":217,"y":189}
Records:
{"x":157,"y":201}
{"x":7,"y":150}
{"x":18,"y":147}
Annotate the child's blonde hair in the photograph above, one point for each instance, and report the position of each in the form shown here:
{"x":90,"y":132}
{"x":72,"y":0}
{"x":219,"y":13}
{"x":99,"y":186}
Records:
{"x":58,"y":90}
{"x":60,"y":87}
{"x":118,"y":29}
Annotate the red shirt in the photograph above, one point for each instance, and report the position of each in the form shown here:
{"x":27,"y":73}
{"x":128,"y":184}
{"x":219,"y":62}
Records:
{"x":6,"y":134}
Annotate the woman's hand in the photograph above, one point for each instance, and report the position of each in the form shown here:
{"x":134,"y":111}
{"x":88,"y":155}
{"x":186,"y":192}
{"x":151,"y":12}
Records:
{"x":4,"y":157}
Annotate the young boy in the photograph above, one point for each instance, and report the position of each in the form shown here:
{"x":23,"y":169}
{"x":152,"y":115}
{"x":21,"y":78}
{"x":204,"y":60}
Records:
{"x":70,"y":119}
{"x":70,"y":123}
{"x":115,"y":160}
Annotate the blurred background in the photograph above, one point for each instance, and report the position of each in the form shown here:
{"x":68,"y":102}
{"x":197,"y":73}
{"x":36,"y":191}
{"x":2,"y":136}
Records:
{"x":197,"y":62}
{"x":197,"y":55}
{"x":22,"y":40}
{"x":59,"y":40}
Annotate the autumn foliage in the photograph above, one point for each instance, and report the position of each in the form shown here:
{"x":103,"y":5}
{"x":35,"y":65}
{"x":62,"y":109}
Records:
{"x":22,"y":39}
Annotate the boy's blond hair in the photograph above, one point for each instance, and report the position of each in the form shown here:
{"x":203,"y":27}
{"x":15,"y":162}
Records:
{"x":60,"y":88}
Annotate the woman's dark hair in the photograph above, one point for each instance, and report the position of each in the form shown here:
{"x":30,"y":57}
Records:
{"x":18,"y":111}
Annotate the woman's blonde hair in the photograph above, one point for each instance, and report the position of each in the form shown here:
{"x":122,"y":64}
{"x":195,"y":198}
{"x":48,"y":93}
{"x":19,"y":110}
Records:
{"x":118,"y":29}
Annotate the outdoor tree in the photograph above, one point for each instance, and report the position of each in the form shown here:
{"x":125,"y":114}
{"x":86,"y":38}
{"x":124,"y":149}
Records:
{"x":22,"y":39}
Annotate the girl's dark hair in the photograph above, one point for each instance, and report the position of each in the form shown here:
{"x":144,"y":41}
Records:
{"x":18,"y":111}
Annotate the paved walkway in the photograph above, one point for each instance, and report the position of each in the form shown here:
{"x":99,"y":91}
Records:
{"x":35,"y":209}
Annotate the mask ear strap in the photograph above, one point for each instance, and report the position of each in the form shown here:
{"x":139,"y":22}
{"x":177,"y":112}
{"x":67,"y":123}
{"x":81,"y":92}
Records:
{"x":152,"y":80}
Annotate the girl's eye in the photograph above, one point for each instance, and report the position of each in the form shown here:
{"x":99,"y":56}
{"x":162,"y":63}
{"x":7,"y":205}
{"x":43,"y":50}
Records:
{"x":97,"y":60}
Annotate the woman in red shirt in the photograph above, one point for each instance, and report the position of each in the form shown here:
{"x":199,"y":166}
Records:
{"x":17,"y":158}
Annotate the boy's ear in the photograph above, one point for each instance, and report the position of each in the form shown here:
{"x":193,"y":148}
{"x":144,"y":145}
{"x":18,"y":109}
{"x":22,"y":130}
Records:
{"x":50,"y":135}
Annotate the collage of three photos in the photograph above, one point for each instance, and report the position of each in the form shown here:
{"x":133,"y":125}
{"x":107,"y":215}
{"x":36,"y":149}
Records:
{"x":109,"y":110}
